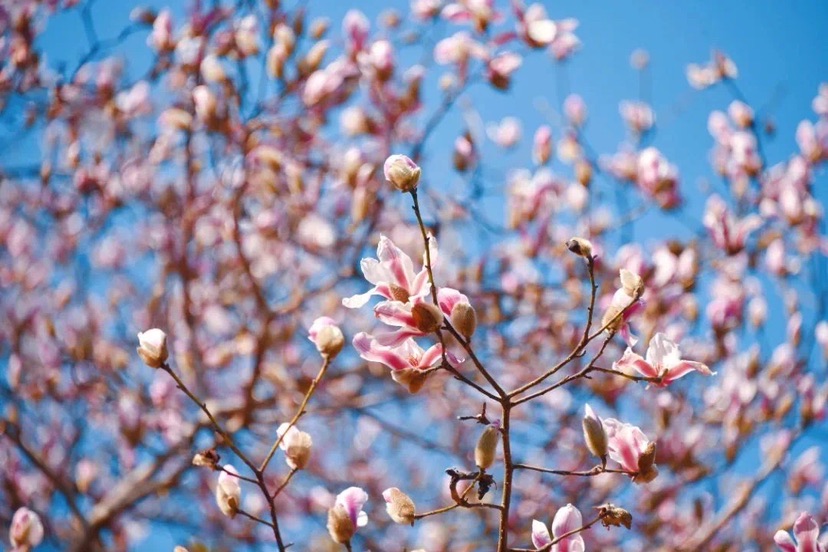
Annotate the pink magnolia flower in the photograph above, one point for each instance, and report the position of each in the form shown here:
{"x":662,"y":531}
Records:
{"x":505,"y":134}
{"x":479,"y":12}
{"x":806,"y":531}
{"x":458,"y":48}
{"x":404,"y":315}
{"x":500,"y":68}
{"x":565,"y":42}
{"x":638,"y":116}
{"x":567,"y":518}
{"x":658,"y":178}
{"x":352,"y":500}
{"x":26,"y":529}
{"x":405,"y":356}
{"x":536,"y":28}
{"x":355,"y":27}
{"x":663,"y":360}
{"x":392,"y":274}
{"x":408,"y":361}
{"x":627,"y":445}
{"x":575,"y":109}
{"x":425,"y":9}
{"x":728,"y":233}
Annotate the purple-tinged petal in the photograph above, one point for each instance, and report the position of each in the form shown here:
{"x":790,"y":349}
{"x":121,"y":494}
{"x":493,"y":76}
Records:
{"x":540,"y":534}
{"x":806,"y":531}
{"x":370,"y":350}
{"x":784,"y":541}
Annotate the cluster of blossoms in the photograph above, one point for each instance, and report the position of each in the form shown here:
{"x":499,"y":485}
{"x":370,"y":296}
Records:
{"x":406,"y":305}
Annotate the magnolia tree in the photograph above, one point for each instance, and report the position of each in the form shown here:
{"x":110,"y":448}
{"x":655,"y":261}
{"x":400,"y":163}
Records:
{"x":348,"y":338}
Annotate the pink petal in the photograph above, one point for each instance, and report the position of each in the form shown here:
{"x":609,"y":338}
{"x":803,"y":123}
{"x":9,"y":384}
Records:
{"x":395,"y":313}
{"x":540,"y":534}
{"x":683,"y":368}
{"x":353,"y":499}
{"x":806,"y":531}
{"x":370,"y":350}
{"x":784,"y":541}
{"x":431,"y":356}
{"x":631,"y":360}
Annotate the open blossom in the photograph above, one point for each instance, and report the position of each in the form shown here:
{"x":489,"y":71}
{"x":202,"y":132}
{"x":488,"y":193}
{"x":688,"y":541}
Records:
{"x":408,"y":361}
{"x":727,"y":232}
{"x":346,"y":515}
{"x":418,"y":317}
{"x":392,"y":274}
{"x":458,"y":48}
{"x":479,"y":12}
{"x":228,"y":491}
{"x":628,"y":446}
{"x":806,"y":531}
{"x":567,"y":518}
{"x":663,"y":361}
{"x":26,"y":529}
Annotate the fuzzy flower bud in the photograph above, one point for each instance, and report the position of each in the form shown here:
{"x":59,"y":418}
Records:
{"x":296,"y":444}
{"x":427,"y":317}
{"x":612,"y":515}
{"x":228,"y":491}
{"x":402,"y":172}
{"x":26,"y":529}
{"x":595,"y":435}
{"x":326,"y":335}
{"x":207,"y":459}
{"x":484,"y":452}
{"x":464,"y":319}
{"x":631,"y":282}
{"x":647,"y":471}
{"x":581,"y":247}
{"x":152,"y":347}
{"x":346,"y":514}
{"x":399,"y":506}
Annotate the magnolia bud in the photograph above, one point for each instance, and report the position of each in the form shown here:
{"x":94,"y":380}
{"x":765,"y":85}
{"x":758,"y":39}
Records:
{"x":180,"y":549}
{"x":647,"y":471}
{"x":632,"y":283}
{"x":595,"y":435}
{"x":26,"y":530}
{"x":411,"y":378}
{"x":615,"y":516}
{"x":402,"y":172}
{"x":228,"y":491}
{"x":399,"y":506}
{"x":296,"y":444}
{"x":581,"y":247}
{"x":207,"y":459}
{"x":484,"y":452}
{"x":427,"y":317}
{"x":340,"y":526}
{"x":152,"y":347}
{"x":464,"y":319}
{"x":327,"y":336}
